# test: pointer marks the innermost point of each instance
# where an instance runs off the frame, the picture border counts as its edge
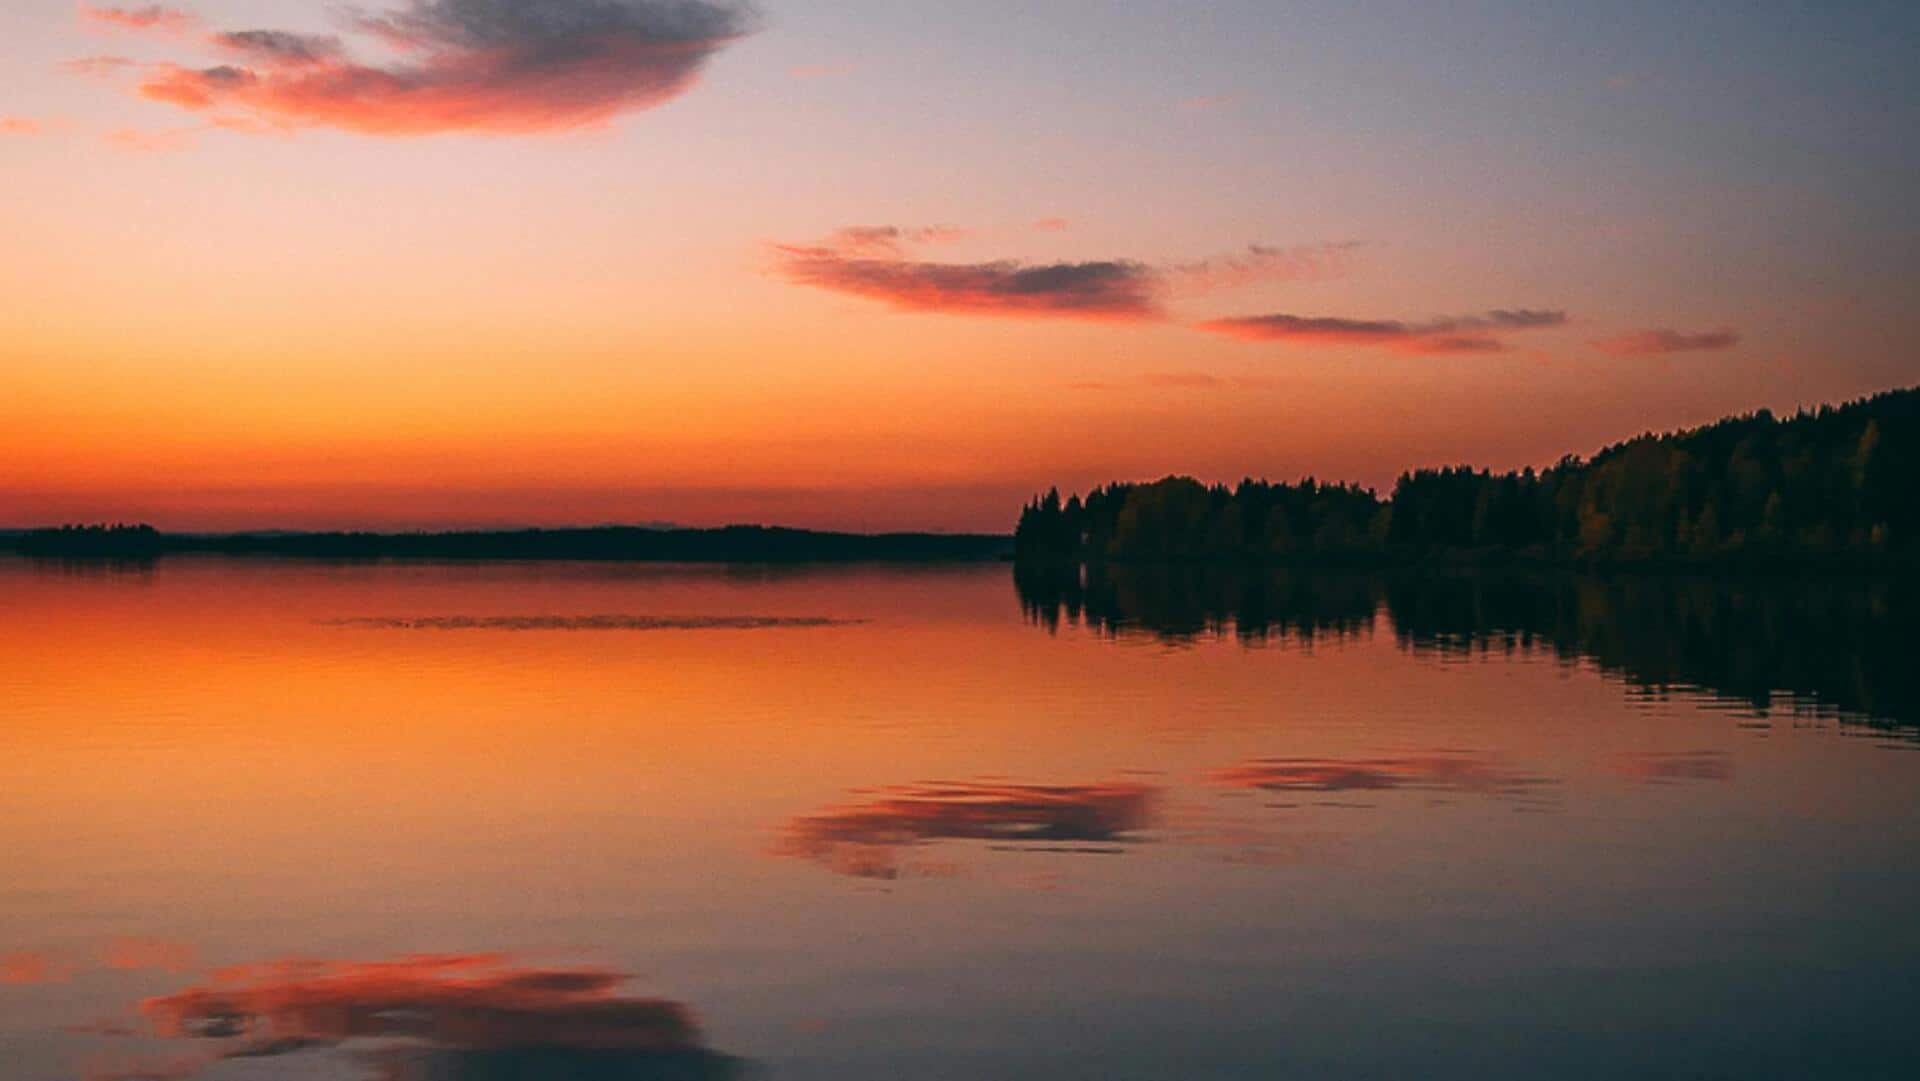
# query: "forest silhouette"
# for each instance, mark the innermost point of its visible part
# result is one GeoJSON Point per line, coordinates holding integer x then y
{"type": "Point", "coordinates": [1832, 485]}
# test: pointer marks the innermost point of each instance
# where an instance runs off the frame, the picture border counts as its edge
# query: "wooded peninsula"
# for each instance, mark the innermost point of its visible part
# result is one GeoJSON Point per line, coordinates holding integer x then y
{"type": "Point", "coordinates": [1835, 486]}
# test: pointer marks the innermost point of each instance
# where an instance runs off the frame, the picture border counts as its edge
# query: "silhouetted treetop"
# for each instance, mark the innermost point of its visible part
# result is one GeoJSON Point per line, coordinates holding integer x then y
{"type": "Point", "coordinates": [1836, 482]}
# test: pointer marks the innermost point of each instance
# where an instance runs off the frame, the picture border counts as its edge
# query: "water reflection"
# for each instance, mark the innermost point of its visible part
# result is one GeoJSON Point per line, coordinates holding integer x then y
{"type": "Point", "coordinates": [1320, 860]}
{"type": "Point", "coordinates": [1437, 772]}
{"type": "Point", "coordinates": [1667, 767]}
{"type": "Point", "coordinates": [122, 954]}
{"type": "Point", "coordinates": [587, 623]}
{"type": "Point", "coordinates": [31, 966]}
{"type": "Point", "coordinates": [1836, 646]}
{"type": "Point", "coordinates": [1184, 602]}
{"type": "Point", "coordinates": [440, 1016]}
{"type": "Point", "coordinates": [868, 839]}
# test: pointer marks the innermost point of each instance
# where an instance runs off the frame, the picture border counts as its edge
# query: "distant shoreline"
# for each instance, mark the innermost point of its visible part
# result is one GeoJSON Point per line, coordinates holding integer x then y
{"type": "Point", "coordinates": [727, 544]}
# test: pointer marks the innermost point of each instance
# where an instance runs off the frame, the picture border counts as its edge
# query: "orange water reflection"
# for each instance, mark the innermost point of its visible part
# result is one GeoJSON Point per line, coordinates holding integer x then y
{"type": "Point", "coordinates": [443, 1016]}
{"type": "Point", "coordinates": [1320, 822]}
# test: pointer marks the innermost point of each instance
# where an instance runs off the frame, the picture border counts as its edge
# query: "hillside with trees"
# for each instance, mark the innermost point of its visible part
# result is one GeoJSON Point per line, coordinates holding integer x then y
{"type": "Point", "coordinates": [1832, 485]}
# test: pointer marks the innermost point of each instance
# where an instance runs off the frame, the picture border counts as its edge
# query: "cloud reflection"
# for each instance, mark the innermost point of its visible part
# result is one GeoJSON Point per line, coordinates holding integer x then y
{"type": "Point", "coordinates": [866, 840]}
{"type": "Point", "coordinates": [1666, 767]}
{"type": "Point", "coordinates": [461, 1015]}
{"type": "Point", "coordinates": [31, 966]}
{"type": "Point", "coordinates": [1440, 771]}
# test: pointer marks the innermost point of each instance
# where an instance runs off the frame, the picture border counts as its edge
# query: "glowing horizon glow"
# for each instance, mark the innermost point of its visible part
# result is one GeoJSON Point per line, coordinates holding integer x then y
{"type": "Point", "coordinates": [268, 268]}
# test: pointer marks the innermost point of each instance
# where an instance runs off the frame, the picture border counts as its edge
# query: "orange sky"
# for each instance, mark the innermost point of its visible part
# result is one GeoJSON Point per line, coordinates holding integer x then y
{"type": "Point", "coordinates": [894, 266]}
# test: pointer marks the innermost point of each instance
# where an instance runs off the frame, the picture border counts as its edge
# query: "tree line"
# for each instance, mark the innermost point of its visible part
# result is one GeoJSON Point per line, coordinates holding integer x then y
{"type": "Point", "coordinates": [1835, 483]}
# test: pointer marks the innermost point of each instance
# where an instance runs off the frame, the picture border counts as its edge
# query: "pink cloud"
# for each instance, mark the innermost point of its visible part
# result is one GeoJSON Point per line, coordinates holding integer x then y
{"type": "Point", "coordinates": [870, 261]}
{"type": "Point", "coordinates": [99, 67]}
{"type": "Point", "coordinates": [1655, 343]}
{"type": "Point", "coordinates": [867, 262]}
{"type": "Point", "coordinates": [1183, 380]}
{"type": "Point", "coordinates": [890, 240]}
{"type": "Point", "coordinates": [153, 18]}
{"type": "Point", "coordinates": [165, 141]}
{"type": "Point", "coordinates": [464, 66]}
{"type": "Point", "coordinates": [1260, 263]}
{"type": "Point", "coordinates": [19, 125]}
{"type": "Point", "coordinates": [1482, 333]}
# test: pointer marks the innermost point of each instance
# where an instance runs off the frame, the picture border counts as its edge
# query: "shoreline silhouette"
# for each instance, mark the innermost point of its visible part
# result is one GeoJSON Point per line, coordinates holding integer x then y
{"type": "Point", "coordinates": [728, 544]}
{"type": "Point", "coordinates": [1824, 489]}
{"type": "Point", "coordinates": [1829, 488]}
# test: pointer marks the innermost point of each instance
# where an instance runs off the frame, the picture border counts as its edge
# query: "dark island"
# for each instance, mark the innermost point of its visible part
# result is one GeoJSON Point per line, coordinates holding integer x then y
{"type": "Point", "coordinates": [1834, 487]}
{"type": "Point", "coordinates": [732, 544]}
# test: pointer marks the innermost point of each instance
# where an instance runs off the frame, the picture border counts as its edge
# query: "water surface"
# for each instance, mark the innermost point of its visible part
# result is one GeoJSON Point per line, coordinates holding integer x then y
{"type": "Point", "coordinates": [279, 819]}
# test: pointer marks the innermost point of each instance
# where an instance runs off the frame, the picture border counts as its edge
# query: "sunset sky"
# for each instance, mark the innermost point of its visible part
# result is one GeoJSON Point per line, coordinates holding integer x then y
{"type": "Point", "coordinates": [898, 264]}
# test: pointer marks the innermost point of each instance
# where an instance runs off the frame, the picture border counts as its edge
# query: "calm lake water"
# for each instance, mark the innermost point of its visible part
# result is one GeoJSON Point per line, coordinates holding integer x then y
{"type": "Point", "coordinates": [291, 820]}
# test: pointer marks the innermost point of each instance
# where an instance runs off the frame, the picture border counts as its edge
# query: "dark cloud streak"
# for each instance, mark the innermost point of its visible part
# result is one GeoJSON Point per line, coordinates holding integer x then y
{"type": "Point", "coordinates": [871, 261]}
{"type": "Point", "coordinates": [1108, 291]}
{"type": "Point", "coordinates": [1483, 333]}
{"type": "Point", "coordinates": [1660, 342]}
{"type": "Point", "coordinates": [489, 66]}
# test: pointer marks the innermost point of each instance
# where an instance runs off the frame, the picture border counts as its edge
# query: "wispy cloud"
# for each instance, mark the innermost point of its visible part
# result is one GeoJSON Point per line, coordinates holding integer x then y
{"type": "Point", "coordinates": [821, 71]}
{"type": "Point", "coordinates": [1204, 381]}
{"type": "Point", "coordinates": [281, 48]}
{"type": "Point", "coordinates": [19, 125]}
{"type": "Point", "coordinates": [872, 262]}
{"type": "Point", "coordinates": [889, 240]}
{"type": "Point", "coordinates": [1654, 343]}
{"type": "Point", "coordinates": [1259, 263]}
{"type": "Point", "coordinates": [152, 18]}
{"type": "Point", "coordinates": [1206, 101]}
{"type": "Point", "coordinates": [868, 261]}
{"type": "Point", "coordinates": [138, 141]}
{"type": "Point", "coordinates": [1052, 225]}
{"type": "Point", "coordinates": [99, 67]}
{"type": "Point", "coordinates": [1483, 333]}
{"type": "Point", "coordinates": [1183, 380]}
{"type": "Point", "coordinates": [487, 66]}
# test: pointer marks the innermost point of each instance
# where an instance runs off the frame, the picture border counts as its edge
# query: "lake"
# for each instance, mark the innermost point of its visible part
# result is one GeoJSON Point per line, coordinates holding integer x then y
{"type": "Point", "coordinates": [484, 821]}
